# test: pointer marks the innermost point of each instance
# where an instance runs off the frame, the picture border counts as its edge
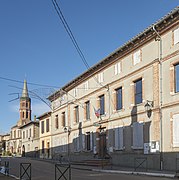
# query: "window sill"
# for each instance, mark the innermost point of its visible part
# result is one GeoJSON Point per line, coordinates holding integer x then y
{"type": "Point", "coordinates": [137, 148]}
{"type": "Point", "coordinates": [118, 110]}
{"type": "Point", "coordinates": [174, 93]}
{"type": "Point", "coordinates": [87, 120]}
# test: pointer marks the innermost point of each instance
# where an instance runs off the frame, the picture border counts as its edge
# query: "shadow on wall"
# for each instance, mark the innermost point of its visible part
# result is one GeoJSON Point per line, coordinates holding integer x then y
{"type": "Point", "coordinates": [125, 145]}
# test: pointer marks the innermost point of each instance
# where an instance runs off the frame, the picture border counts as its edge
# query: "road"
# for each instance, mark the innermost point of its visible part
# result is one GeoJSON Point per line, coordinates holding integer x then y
{"type": "Point", "coordinates": [42, 170]}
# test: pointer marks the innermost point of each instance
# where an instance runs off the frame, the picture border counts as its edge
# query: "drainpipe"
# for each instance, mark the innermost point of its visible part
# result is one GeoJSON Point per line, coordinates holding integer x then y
{"type": "Point", "coordinates": [159, 38]}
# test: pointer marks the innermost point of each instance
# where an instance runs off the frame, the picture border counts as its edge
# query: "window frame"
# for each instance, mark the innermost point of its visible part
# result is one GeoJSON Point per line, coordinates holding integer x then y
{"type": "Point", "coordinates": [176, 78]}
{"type": "Point", "coordinates": [177, 40]}
{"type": "Point", "coordinates": [56, 121]}
{"type": "Point", "coordinates": [102, 104]}
{"type": "Point", "coordinates": [137, 53]}
{"type": "Point", "coordinates": [47, 125]}
{"type": "Point", "coordinates": [119, 99]}
{"type": "Point", "coordinates": [87, 110]}
{"type": "Point", "coordinates": [63, 119]}
{"type": "Point", "coordinates": [76, 114]}
{"type": "Point", "coordinates": [117, 68]}
{"type": "Point", "coordinates": [136, 93]}
{"type": "Point", "coordinates": [42, 127]}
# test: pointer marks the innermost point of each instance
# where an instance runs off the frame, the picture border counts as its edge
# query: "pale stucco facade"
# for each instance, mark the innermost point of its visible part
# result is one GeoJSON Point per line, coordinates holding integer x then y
{"type": "Point", "coordinates": [144, 69]}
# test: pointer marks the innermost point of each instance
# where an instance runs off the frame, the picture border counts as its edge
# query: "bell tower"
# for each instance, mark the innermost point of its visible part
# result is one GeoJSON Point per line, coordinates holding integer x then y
{"type": "Point", "coordinates": [25, 106]}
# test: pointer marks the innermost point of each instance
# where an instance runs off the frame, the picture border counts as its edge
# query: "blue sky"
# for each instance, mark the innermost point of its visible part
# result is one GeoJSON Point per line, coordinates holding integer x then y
{"type": "Point", "coordinates": [35, 46]}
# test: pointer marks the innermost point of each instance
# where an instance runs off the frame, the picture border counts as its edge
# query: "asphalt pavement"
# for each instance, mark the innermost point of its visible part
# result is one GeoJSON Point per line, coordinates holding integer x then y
{"type": "Point", "coordinates": [45, 169]}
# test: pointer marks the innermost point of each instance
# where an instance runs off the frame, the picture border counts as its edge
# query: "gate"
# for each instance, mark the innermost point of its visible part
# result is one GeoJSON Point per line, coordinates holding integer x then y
{"type": "Point", "coordinates": [140, 162]}
{"type": "Point", "coordinates": [62, 171]}
{"type": "Point", "coordinates": [25, 171]}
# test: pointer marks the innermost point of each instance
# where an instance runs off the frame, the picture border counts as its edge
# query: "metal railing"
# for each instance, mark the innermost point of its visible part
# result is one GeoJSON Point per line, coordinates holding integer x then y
{"type": "Point", "coordinates": [140, 163]}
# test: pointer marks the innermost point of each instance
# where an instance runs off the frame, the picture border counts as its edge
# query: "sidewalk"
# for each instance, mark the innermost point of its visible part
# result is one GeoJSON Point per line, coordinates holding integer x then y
{"type": "Point", "coordinates": [123, 170]}
{"type": "Point", "coordinates": [3, 177]}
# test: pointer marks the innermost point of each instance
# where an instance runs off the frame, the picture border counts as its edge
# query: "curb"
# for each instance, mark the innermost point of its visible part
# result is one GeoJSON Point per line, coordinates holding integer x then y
{"type": "Point", "coordinates": [136, 173]}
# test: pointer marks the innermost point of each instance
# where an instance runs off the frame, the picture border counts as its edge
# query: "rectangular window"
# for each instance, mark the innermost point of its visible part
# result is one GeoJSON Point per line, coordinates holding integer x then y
{"type": "Point", "coordinates": [47, 125]}
{"type": "Point", "coordinates": [117, 68]}
{"type": "Point", "coordinates": [100, 77]}
{"type": "Point", "coordinates": [75, 91]}
{"type": "Point", "coordinates": [15, 134]}
{"type": "Point", "coordinates": [138, 91]}
{"type": "Point", "coordinates": [88, 141]}
{"type": "Point", "coordinates": [26, 133]}
{"type": "Point", "coordinates": [27, 115]}
{"type": "Point", "coordinates": [86, 85]}
{"type": "Point", "coordinates": [63, 119]}
{"type": "Point", "coordinates": [177, 78]}
{"type": "Point", "coordinates": [42, 127]}
{"type": "Point", "coordinates": [102, 105]}
{"type": "Point", "coordinates": [118, 138]}
{"type": "Point", "coordinates": [137, 57]}
{"type": "Point", "coordinates": [119, 98]}
{"type": "Point", "coordinates": [76, 144]}
{"type": "Point", "coordinates": [23, 134]}
{"type": "Point", "coordinates": [138, 139]}
{"type": "Point", "coordinates": [87, 110]}
{"type": "Point", "coordinates": [30, 132]}
{"type": "Point", "coordinates": [43, 146]}
{"type": "Point", "coordinates": [56, 121]}
{"type": "Point", "coordinates": [176, 130]}
{"type": "Point", "coordinates": [176, 36]}
{"type": "Point", "coordinates": [76, 114]}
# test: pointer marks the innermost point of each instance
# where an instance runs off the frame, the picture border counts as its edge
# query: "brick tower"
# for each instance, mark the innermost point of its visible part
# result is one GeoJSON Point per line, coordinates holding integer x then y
{"type": "Point", "coordinates": [25, 106]}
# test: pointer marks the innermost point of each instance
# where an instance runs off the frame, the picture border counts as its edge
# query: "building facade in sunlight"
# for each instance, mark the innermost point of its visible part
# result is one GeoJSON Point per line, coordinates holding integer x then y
{"type": "Point", "coordinates": [45, 135]}
{"type": "Point", "coordinates": [126, 107]}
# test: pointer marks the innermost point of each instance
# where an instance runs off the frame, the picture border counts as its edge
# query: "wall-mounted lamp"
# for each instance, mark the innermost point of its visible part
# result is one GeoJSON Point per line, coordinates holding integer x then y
{"type": "Point", "coordinates": [67, 129]}
{"type": "Point", "coordinates": [148, 107]}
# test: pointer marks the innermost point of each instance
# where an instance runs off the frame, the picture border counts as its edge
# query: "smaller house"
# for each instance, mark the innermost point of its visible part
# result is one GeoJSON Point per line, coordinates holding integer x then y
{"type": "Point", "coordinates": [45, 135]}
{"type": "Point", "coordinates": [30, 139]}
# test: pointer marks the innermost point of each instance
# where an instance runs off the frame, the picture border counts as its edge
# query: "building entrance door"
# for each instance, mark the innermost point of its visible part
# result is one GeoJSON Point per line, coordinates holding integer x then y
{"type": "Point", "coordinates": [102, 145]}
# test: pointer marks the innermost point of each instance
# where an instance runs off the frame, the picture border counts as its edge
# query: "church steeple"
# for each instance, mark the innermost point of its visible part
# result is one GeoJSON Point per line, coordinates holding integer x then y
{"type": "Point", "coordinates": [25, 90]}
{"type": "Point", "coordinates": [25, 105]}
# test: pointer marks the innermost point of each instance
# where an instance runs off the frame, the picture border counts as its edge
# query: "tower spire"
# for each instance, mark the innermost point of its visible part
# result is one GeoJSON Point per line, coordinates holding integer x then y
{"type": "Point", "coordinates": [25, 93]}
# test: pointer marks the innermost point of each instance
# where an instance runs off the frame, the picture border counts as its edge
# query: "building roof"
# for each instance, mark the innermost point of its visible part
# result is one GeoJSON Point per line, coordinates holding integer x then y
{"type": "Point", "coordinates": [28, 124]}
{"type": "Point", "coordinates": [161, 26]}
{"type": "Point", "coordinates": [44, 115]}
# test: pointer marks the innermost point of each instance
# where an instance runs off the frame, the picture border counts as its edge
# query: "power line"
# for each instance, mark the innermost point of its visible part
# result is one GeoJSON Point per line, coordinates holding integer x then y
{"type": "Point", "coordinates": [69, 32]}
{"type": "Point", "coordinates": [18, 81]}
{"type": "Point", "coordinates": [72, 37]}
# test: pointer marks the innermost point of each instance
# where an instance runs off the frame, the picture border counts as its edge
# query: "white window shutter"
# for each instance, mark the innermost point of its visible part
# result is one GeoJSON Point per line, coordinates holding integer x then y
{"type": "Point", "coordinates": [120, 137]}
{"type": "Point", "coordinates": [176, 36]}
{"type": "Point", "coordinates": [116, 139]}
{"type": "Point", "coordinates": [115, 69]}
{"type": "Point", "coordinates": [78, 143]}
{"type": "Point", "coordinates": [119, 67]}
{"type": "Point", "coordinates": [91, 140]}
{"type": "Point", "coordinates": [176, 130]}
{"type": "Point", "coordinates": [83, 142]}
{"type": "Point", "coordinates": [136, 57]}
{"type": "Point", "coordinates": [138, 135]}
